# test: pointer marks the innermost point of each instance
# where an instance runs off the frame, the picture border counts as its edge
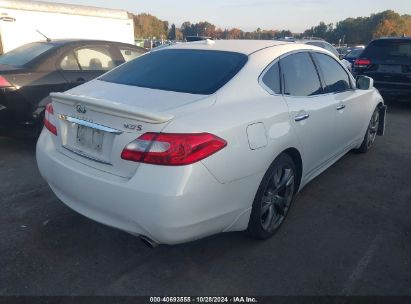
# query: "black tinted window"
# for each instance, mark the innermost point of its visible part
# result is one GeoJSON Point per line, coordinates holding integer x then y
{"type": "Point", "coordinates": [272, 78]}
{"type": "Point", "coordinates": [388, 49]}
{"type": "Point", "coordinates": [335, 77]}
{"type": "Point", "coordinates": [188, 71]}
{"type": "Point", "coordinates": [25, 53]}
{"type": "Point", "coordinates": [300, 75]}
{"type": "Point", "coordinates": [354, 54]}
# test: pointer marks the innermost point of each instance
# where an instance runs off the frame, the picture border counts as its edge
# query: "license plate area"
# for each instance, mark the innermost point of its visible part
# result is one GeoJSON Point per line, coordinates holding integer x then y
{"type": "Point", "coordinates": [394, 69]}
{"type": "Point", "coordinates": [87, 140]}
{"type": "Point", "coordinates": [90, 138]}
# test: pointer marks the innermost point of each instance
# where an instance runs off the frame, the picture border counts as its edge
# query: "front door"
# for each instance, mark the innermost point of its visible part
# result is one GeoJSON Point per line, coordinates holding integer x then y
{"type": "Point", "coordinates": [312, 114]}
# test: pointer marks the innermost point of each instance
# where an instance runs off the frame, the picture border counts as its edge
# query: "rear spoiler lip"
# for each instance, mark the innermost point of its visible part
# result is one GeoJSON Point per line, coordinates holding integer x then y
{"type": "Point", "coordinates": [112, 107]}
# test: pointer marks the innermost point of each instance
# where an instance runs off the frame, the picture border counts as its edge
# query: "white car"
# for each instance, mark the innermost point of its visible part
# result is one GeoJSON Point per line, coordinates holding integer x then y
{"type": "Point", "coordinates": [206, 137]}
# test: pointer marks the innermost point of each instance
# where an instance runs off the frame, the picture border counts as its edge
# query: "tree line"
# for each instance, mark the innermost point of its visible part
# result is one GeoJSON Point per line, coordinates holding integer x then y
{"type": "Point", "coordinates": [359, 30]}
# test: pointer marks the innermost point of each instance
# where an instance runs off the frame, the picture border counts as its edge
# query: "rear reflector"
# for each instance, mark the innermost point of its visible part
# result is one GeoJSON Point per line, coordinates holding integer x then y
{"type": "Point", "coordinates": [362, 63]}
{"type": "Point", "coordinates": [172, 149]}
{"type": "Point", "coordinates": [49, 119]}
{"type": "Point", "coordinates": [4, 83]}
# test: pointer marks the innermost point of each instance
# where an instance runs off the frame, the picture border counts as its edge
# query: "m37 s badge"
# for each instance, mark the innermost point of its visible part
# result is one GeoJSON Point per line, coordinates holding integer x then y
{"type": "Point", "coordinates": [133, 127]}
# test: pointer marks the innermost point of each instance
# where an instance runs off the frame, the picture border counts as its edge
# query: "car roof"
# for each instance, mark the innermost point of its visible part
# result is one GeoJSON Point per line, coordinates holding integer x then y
{"type": "Point", "coordinates": [310, 40]}
{"type": "Point", "coordinates": [246, 47]}
{"type": "Point", "coordinates": [62, 42]}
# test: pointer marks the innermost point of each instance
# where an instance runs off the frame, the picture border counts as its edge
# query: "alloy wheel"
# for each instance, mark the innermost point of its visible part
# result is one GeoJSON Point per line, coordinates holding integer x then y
{"type": "Point", "coordinates": [277, 198]}
{"type": "Point", "coordinates": [373, 128]}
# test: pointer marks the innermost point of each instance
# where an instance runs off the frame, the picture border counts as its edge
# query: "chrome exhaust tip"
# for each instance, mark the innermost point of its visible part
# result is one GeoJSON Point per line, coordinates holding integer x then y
{"type": "Point", "coordinates": [148, 242]}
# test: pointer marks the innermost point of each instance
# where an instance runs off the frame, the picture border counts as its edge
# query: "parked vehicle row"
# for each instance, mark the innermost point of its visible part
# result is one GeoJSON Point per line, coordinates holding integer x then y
{"type": "Point", "coordinates": [353, 54]}
{"type": "Point", "coordinates": [388, 62]}
{"type": "Point", "coordinates": [221, 140]}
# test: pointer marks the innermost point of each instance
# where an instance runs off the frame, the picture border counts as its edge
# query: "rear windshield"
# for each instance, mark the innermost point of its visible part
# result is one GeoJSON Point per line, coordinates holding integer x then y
{"type": "Point", "coordinates": [188, 71]}
{"type": "Point", "coordinates": [25, 53]}
{"type": "Point", "coordinates": [354, 53]}
{"type": "Point", "coordinates": [388, 49]}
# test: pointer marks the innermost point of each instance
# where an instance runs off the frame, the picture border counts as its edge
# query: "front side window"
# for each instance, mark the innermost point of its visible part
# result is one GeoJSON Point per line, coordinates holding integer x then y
{"type": "Point", "coordinates": [180, 70]}
{"type": "Point", "coordinates": [300, 75]}
{"type": "Point", "coordinates": [335, 77]}
{"type": "Point", "coordinates": [271, 78]}
{"type": "Point", "coordinates": [94, 59]}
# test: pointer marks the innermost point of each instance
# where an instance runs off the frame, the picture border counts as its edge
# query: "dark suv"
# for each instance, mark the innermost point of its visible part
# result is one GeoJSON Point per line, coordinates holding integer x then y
{"type": "Point", "coordinates": [388, 62]}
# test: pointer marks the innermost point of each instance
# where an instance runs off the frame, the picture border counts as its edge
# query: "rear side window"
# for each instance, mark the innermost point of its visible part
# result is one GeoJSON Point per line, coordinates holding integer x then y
{"type": "Point", "coordinates": [187, 71]}
{"type": "Point", "coordinates": [271, 78]}
{"type": "Point", "coordinates": [300, 75]}
{"type": "Point", "coordinates": [388, 49]}
{"type": "Point", "coordinates": [335, 77]}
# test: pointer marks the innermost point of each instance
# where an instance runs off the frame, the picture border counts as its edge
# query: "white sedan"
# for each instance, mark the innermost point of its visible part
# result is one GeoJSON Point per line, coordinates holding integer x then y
{"type": "Point", "coordinates": [206, 137]}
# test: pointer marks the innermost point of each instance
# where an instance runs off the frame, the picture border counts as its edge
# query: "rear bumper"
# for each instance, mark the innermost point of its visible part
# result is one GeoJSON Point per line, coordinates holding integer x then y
{"type": "Point", "coordinates": [167, 204]}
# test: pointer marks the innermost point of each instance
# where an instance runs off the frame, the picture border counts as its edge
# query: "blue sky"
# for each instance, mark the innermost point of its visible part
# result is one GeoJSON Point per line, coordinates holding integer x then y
{"type": "Point", "coordinates": [296, 15]}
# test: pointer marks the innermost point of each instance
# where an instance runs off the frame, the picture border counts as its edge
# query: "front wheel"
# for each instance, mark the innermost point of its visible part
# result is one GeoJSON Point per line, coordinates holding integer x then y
{"type": "Point", "coordinates": [371, 134]}
{"type": "Point", "coordinates": [273, 199]}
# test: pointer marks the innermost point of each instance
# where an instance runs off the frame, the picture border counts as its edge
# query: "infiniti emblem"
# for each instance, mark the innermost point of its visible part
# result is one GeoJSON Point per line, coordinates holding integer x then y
{"type": "Point", "coordinates": [81, 108]}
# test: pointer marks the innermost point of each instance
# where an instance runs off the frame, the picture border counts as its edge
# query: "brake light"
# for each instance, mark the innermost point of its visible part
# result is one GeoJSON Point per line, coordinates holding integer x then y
{"type": "Point", "coordinates": [362, 63]}
{"type": "Point", "coordinates": [49, 122]}
{"type": "Point", "coordinates": [172, 149]}
{"type": "Point", "coordinates": [4, 83]}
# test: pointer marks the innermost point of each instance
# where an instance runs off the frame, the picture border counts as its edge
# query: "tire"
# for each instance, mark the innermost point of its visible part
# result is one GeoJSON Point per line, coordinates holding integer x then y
{"type": "Point", "coordinates": [371, 134]}
{"type": "Point", "coordinates": [273, 198]}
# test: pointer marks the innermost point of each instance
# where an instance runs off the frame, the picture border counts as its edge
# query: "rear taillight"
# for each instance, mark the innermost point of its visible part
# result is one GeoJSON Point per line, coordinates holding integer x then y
{"type": "Point", "coordinates": [362, 63]}
{"type": "Point", "coordinates": [172, 149]}
{"type": "Point", "coordinates": [4, 83]}
{"type": "Point", "coordinates": [49, 120]}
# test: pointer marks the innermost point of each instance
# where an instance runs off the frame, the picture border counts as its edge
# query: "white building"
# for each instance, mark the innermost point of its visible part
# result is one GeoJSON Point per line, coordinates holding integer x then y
{"type": "Point", "coordinates": [21, 20]}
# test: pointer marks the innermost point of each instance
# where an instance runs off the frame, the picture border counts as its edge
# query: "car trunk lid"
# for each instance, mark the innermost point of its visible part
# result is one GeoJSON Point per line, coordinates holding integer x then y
{"type": "Point", "coordinates": [94, 128]}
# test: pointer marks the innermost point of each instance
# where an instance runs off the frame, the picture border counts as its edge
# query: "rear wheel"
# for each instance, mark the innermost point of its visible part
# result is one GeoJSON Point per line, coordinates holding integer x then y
{"type": "Point", "coordinates": [273, 199]}
{"type": "Point", "coordinates": [371, 134]}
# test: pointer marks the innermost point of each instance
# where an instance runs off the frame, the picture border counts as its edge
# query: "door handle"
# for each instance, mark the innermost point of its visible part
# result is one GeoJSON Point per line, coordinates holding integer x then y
{"type": "Point", "coordinates": [340, 107]}
{"type": "Point", "coordinates": [301, 117]}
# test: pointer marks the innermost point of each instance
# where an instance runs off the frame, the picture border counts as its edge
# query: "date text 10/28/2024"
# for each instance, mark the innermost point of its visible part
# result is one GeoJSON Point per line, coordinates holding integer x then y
{"type": "Point", "coordinates": [203, 300]}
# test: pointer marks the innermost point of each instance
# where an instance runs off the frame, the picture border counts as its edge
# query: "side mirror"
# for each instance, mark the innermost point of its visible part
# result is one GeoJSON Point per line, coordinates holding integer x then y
{"type": "Point", "coordinates": [341, 56]}
{"type": "Point", "coordinates": [364, 83]}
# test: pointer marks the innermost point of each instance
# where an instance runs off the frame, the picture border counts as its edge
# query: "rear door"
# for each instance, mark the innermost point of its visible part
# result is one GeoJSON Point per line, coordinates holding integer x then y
{"type": "Point", "coordinates": [86, 63]}
{"type": "Point", "coordinates": [351, 103]}
{"type": "Point", "coordinates": [312, 114]}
